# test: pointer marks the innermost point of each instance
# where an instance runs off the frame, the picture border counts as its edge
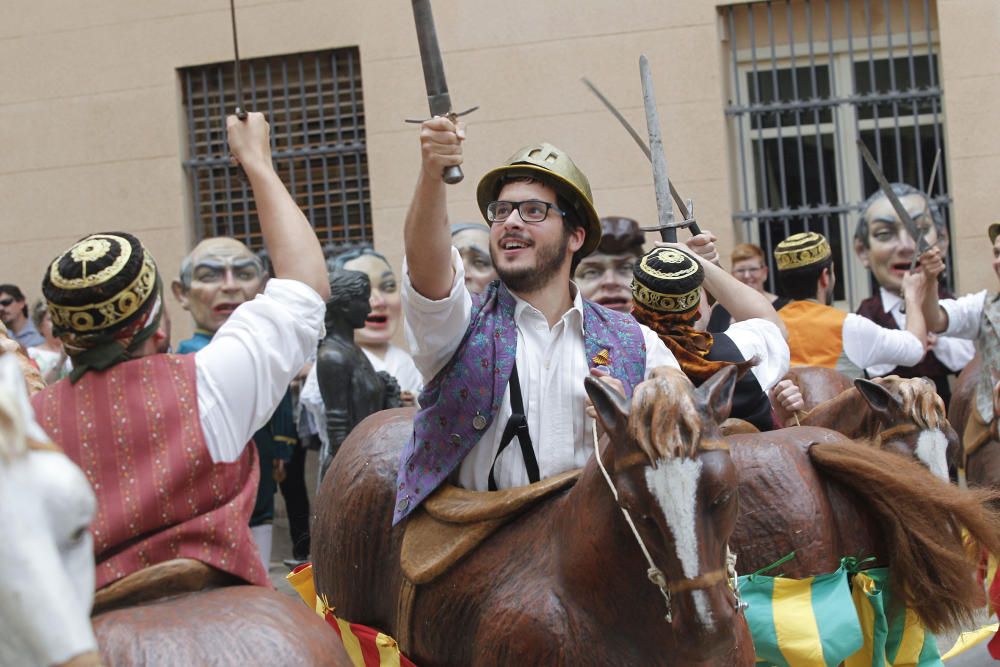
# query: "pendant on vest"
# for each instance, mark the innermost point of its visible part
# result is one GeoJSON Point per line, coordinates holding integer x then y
{"type": "Point", "coordinates": [479, 422]}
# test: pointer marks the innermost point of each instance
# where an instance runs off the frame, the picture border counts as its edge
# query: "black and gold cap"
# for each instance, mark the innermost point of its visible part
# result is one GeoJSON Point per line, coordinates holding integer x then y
{"type": "Point", "coordinates": [668, 280]}
{"type": "Point", "coordinates": [102, 284]}
{"type": "Point", "coordinates": [801, 250]}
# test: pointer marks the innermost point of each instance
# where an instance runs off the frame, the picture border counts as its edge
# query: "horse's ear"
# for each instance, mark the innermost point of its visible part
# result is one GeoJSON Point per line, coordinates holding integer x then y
{"type": "Point", "coordinates": [877, 396]}
{"type": "Point", "coordinates": [612, 408]}
{"type": "Point", "coordinates": [717, 392]}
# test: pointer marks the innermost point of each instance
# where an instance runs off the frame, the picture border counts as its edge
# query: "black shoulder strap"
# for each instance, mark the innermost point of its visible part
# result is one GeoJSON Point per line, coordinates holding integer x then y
{"type": "Point", "coordinates": [517, 426]}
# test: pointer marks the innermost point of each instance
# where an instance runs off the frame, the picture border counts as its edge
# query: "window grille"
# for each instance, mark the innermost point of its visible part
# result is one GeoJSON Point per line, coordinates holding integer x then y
{"type": "Point", "coordinates": [314, 105]}
{"type": "Point", "coordinates": [808, 77]}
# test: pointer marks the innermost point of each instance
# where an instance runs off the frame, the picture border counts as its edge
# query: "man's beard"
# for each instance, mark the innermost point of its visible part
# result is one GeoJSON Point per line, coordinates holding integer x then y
{"type": "Point", "coordinates": [550, 259]}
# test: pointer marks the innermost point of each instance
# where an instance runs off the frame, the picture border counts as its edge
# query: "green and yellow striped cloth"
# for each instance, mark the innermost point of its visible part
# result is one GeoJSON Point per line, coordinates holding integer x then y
{"type": "Point", "coordinates": [842, 617]}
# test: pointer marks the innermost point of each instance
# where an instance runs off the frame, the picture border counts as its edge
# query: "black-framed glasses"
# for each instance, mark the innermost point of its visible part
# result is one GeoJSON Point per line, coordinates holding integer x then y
{"type": "Point", "coordinates": [531, 210]}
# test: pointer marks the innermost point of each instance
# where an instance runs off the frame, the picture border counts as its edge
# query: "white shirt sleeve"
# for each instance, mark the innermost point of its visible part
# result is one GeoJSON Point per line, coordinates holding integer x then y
{"type": "Point", "coordinates": [435, 328]}
{"type": "Point", "coordinates": [868, 344]}
{"type": "Point", "coordinates": [965, 315]}
{"type": "Point", "coordinates": [762, 339]}
{"type": "Point", "coordinates": [657, 354]}
{"type": "Point", "coordinates": [245, 370]}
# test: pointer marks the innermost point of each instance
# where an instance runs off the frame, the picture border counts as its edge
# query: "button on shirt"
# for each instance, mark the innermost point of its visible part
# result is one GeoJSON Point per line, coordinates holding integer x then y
{"type": "Point", "coordinates": [954, 353]}
{"type": "Point", "coordinates": [552, 365]}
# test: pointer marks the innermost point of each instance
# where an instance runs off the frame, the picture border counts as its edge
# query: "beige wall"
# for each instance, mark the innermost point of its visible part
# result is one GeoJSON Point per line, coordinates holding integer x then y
{"type": "Point", "coordinates": [93, 135]}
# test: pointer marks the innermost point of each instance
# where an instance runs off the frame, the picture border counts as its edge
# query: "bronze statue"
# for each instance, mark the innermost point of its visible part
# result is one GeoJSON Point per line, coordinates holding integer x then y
{"type": "Point", "coordinates": [350, 387]}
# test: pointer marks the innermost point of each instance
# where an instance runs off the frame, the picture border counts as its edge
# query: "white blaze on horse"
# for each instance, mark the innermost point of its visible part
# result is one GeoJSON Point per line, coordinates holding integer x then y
{"type": "Point", "coordinates": [46, 554]}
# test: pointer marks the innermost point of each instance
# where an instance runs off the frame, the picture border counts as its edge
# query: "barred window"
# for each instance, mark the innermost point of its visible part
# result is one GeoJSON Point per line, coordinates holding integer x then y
{"type": "Point", "coordinates": [314, 104]}
{"type": "Point", "coordinates": [807, 78]}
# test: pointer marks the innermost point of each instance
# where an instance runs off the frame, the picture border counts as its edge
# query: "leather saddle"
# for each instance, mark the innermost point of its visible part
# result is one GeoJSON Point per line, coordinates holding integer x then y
{"type": "Point", "coordinates": [172, 577]}
{"type": "Point", "coordinates": [453, 521]}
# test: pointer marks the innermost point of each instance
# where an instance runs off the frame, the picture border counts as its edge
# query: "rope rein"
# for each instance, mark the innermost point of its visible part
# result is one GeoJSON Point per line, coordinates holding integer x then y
{"type": "Point", "coordinates": [654, 573]}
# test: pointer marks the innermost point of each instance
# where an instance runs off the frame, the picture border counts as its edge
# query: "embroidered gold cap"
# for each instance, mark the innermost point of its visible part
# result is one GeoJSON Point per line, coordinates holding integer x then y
{"type": "Point", "coordinates": [101, 284]}
{"type": "Point", "coordinates": [801, 250]}
{"type": "Point", "coordinates": [668, 280]}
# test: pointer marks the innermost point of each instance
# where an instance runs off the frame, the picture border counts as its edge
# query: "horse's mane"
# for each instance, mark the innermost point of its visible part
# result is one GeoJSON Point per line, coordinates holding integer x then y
{"type": "Point", "coordinates": [919, 399]}
{"type": "Point", "coordinates": [920, 520]}
{"type": "Point", "coordinates": [664, 421]}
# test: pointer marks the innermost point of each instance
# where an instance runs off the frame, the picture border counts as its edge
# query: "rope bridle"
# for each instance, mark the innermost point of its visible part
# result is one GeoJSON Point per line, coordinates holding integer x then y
{"type": "Point", "coordinates": [654, 573]}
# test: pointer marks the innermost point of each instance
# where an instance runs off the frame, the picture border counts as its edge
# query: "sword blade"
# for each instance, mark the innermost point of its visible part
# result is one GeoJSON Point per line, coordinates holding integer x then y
{"type": "Point", "coordinates": [241, 111]}
{"type": "Point", "coordinates": [934, 171]}
{"type": "Point", "coordinates": [904, 215]}
{"type": "Point", "coordinates": [681, 205]}
{"type": "Point", "coordinates": [438, 99]}
{"type": "Point", "coordinates": [430, 58]}
{"type": "Point", "coordinates": [664, 208]}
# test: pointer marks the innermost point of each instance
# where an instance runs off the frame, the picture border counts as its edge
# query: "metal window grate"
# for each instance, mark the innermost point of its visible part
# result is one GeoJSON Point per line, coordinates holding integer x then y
{"type": "Point", "coordinates": [314, 104]}
{"type": "Point", "coordinates": [807, 77]}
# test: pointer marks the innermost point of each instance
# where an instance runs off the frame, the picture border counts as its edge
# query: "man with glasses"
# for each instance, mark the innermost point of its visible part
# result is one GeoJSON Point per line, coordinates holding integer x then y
{"type": "Point", "coordinates": [605, 276]}
{"type": "Point", "coordinates": [14, 315]}
{"type": "Point", "coordinates": [886, 248]}
{"type": "Point", "coordinates": [508, 363]}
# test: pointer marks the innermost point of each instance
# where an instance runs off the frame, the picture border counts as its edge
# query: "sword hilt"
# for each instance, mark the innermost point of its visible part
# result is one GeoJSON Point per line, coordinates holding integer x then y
{"type": "Point", "coordinates": [452, 175]}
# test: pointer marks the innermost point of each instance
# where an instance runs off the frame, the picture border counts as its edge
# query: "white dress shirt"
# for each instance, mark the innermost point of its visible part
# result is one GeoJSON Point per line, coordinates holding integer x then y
{"type": "Point", "coordinates": [762, 339]}
{"type": "Point", "coordinates": [869, 344]}
{"type": "Point", "coordinates": [398, 364]}
{"type": "Point", "coordinates": [954, 353]}
{"type": "Point", "coordinates": [245, 369]}
{"type": "Point", "coordinates": [551, 363]}
{"type": "Point", "coordinates": [965, 315]}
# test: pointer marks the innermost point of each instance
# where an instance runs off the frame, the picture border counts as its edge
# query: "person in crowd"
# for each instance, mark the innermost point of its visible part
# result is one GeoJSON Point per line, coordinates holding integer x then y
{"type": "Point", "coordinates": [821, 335]}
{"type": "Point", "coordinates": [174, 477]}
{"type": "Point", "coordinates": [883, 244]}
{"type": "Point", "coordinates": [749, 265]}
{"type": "Point", "coordinates": [53, 362]}
{"type": "Point", "coordinates": [525, 344]}
{"type": "Point", "coordinates": [14, 315]}
{"type": "Point", "coordinates": [473, 242]}
{"type": "Point", "coordinates": [605, 275]}
{"type": "Point", "coordinates": [667, 291]}
{"type": "Point", "coordinates": [375, 338]}
{"type": "Point", "coordinates": [216, 277]}
{"type": "Point", "coordinates": [973, 317]}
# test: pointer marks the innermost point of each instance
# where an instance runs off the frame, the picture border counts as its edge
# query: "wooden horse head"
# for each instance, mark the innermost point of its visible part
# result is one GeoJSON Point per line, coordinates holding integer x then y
{"type": "Point", "coordinates": [911, 420]}
{"type": "Point", "coordinates": [675, 479]}
{"type": "Point", "coordinates": [46, 554]}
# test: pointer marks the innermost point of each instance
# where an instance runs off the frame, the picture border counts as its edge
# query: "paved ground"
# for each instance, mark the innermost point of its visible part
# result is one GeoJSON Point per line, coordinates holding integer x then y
{"type": "Point", "coordinates": [281, 547]}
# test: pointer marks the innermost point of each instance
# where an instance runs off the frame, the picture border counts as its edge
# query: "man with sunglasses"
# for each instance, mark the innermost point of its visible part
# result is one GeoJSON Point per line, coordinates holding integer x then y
{"type": "Point", "coordinates": [14, 315]}
{"type": "Point", "coordinates": [510, 363]}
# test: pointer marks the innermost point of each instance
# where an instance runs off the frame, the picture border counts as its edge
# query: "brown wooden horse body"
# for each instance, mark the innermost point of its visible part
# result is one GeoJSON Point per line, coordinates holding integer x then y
{"type": "Point", "coordinates": [564, 584]}
{"type": "Point", "coordinates": [814, 492]}
{"type": "Point", "coordinates": [982, 466]}
{"type": "Point", "coordinates": [233, 625]}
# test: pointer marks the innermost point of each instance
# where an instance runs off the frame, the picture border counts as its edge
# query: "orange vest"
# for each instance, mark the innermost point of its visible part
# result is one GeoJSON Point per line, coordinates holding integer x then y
{"type": "Point", "coordinates": [815, 333]}
{"type": "Point", "coordinates": [134, 429]}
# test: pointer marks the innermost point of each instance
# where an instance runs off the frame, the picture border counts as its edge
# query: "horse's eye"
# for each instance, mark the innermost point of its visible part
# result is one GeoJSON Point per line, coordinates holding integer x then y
{"type": "Point", "coordinates": [78, 535]}
{"type": "Point", "coordinates": [722, 499]}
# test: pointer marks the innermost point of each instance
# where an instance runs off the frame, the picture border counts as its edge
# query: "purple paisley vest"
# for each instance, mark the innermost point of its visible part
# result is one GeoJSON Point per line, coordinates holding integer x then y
{"type": "Point", "coordinates": [473, 383]}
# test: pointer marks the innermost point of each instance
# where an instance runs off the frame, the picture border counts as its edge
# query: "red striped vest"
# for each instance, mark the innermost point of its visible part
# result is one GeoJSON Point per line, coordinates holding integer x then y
{"type": "Point", "coordinates": [134, 429]}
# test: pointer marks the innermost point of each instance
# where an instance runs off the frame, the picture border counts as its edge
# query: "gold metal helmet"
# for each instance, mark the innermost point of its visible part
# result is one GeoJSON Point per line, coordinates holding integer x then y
{"type": "Point", "coordinates": [553, 166]}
